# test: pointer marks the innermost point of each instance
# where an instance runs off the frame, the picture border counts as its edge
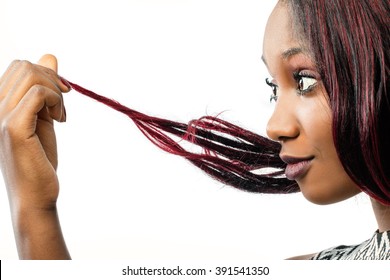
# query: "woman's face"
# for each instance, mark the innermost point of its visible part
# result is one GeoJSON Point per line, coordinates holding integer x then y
{"type": "Point", "coordinates": [302, 119]}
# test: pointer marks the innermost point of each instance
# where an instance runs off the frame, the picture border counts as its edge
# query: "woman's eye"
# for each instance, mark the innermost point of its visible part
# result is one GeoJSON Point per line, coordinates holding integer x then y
{"type": "Point", "coordinates": [274, 87]}
{"type": "Point", "coordinates": [305, 83]}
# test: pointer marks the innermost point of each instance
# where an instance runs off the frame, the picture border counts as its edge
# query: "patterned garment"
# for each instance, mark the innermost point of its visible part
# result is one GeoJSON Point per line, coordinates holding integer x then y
{"type": "Point", "coordinates": [376, 248]}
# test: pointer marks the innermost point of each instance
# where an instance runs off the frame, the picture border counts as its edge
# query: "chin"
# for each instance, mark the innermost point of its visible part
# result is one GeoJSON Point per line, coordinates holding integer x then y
{"type": "Point", "coordinates": [325, 195]}
{"type": "Point", "coordinates": [321, 200]}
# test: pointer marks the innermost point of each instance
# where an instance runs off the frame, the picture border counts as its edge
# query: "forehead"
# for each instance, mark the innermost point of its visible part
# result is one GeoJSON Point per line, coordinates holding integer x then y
{"type": "Point", "coordinates": [279, 33]}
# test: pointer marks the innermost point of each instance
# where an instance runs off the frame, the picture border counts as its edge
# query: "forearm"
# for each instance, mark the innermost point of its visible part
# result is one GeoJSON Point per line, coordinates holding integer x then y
{"type": "Point", "coordinates": [38, 234]}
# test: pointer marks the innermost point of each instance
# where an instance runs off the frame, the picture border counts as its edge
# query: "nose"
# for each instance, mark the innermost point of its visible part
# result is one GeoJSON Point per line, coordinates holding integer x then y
{"type": "Point", "coordinates": [283, 124]}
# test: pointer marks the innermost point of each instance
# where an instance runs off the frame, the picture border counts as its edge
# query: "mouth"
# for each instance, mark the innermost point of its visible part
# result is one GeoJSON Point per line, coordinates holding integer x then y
{"type": "Point", "coordinates": [296, 167]}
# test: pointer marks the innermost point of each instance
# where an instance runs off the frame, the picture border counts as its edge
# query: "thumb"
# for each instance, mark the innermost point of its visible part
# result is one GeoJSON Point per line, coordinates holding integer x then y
{"type": "Point", "coordinates": [49, 61]}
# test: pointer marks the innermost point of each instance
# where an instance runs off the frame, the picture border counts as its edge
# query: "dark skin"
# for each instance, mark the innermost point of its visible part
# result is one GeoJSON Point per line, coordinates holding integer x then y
{"type": "Point", "coordinates": [30, 102]}
{"type": "Point", "coordinates": [301, 123]}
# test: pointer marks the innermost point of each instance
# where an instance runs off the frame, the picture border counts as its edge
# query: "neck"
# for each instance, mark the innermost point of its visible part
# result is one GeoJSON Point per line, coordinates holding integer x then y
{"type": "Point", "coordinates": [382, 215]}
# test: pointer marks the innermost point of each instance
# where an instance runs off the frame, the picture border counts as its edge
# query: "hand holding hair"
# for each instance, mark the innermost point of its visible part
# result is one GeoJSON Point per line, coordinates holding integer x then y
{"type": "Point", "coordinates": [30, 99]}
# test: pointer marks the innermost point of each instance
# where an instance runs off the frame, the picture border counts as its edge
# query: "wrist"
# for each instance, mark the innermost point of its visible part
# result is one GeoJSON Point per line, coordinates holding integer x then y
{"type": "Point", "coordinates": [38, 233]}
{"type": "Point", "coordinates": [28, 217]}
{"type": "Point", "coordinates": [30, 222]}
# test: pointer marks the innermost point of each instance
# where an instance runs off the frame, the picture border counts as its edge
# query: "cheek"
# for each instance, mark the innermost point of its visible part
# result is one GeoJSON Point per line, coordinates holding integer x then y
{"type": "Point", "coordinates": [327, 182]}
{"type": "Point", "coordinates": [315, 119]}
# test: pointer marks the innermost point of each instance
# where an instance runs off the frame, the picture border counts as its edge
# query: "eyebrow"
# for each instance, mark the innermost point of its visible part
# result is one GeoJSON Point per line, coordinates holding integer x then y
{"type": "Point", "coordinates": [286, 54]}
{"type": "Point", "coordinates": [291, 52]}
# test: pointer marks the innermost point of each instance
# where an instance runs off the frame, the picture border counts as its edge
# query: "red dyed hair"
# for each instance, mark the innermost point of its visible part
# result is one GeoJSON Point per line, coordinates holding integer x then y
{"type": "Point", "coordinates": [231, 154]}
{"type": "Point", "coordinates": [350, 43]}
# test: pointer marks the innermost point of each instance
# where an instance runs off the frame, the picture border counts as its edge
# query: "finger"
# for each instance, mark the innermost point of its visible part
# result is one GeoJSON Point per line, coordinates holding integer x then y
{"type": "Point", "coordinates": [37, 100]}
{"type": "Point", "coordinates": [9, 70]}
{"type": "Point", "coordinates": [8, 78]}
{"type": "Point", "coordinates": [25, 76]}
{"type": "Point", "coordinates": [39, 103]}
{"type": "Point", "coordinates": [50, 61]}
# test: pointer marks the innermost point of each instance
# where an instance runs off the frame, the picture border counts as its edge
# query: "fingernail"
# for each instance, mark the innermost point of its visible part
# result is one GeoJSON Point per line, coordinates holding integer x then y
{"type": "Point", "coordinates": [65, 82]}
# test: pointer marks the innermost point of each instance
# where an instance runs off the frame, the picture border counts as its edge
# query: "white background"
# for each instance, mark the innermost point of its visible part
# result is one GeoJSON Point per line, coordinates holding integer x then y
{"type": "Point", "coordinates": [123, 198]}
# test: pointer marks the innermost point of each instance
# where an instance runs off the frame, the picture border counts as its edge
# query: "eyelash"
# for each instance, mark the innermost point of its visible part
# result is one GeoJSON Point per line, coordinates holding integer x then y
{"type": "Point", "coordinates": [298, 77]}
{"type": "Point", "coordinates": [274, 88]}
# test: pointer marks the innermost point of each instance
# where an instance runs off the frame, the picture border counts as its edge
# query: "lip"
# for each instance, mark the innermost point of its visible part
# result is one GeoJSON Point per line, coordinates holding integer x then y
{"type": "Point", "coordinates": [296, 167]}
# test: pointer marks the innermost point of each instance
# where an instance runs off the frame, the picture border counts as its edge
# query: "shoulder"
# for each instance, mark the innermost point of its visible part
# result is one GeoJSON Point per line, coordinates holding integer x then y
{"type": "Point", "coordinates": [376, 248]}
